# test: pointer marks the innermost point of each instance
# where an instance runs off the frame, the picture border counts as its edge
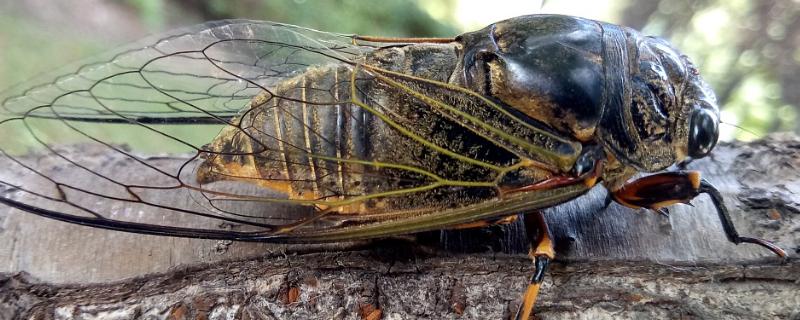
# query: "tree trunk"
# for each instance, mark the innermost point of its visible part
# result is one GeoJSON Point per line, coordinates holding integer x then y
{"type": "Point", "coordinates": [612, 263]}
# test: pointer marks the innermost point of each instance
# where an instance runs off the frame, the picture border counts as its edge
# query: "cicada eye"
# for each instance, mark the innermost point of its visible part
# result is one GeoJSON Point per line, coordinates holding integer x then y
{"type": "Point", "coordinates": [703, 132]}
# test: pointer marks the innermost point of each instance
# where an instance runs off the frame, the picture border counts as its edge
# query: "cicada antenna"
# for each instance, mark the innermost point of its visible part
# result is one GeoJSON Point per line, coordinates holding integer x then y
{"type": "Point", "coordinates": [742, 128]}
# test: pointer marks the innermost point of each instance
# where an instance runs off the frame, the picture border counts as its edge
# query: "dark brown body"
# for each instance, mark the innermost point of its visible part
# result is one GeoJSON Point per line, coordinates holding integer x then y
{"type": "Point", "coordinates": [575, 92]}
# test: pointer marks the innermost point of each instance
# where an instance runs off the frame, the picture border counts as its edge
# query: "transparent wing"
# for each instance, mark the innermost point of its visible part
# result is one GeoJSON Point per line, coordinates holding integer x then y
{"type": "Point", "coordinates": [252, 130]}
{"type": "Point", "coordinates": [166, 96]}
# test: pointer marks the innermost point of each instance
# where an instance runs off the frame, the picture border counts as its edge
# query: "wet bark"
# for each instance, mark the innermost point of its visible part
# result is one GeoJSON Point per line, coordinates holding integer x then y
{"type": "Point", "coordinates": [613, 263]}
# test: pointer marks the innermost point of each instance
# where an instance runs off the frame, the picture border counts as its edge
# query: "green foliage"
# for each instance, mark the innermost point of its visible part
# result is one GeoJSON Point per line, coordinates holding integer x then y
{"type": "Point", "coordinates": [151, 12]}
{"type": "Point", "coordinates": [27, 50]}
{"type": "Point", "coordinates": [388, 17]}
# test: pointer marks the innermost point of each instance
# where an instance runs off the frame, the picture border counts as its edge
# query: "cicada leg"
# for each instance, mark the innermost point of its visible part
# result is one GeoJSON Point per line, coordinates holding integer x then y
{"type": "Point", "coordinates": [660, 190]}
{"type": "Point", "coordinates": [541, 253]}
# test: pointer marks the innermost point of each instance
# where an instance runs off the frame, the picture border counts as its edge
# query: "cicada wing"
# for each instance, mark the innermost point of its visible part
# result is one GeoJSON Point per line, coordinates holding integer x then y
{"type": "Point", "coordinates": [118, 138]}
{"type": "Point", "coordinates": [220, 65]}
{"type": "Point", "coordinates": [251, 130]}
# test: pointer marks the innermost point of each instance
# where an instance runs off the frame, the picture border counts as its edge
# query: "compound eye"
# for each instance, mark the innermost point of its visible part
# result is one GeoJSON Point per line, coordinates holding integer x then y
{"type": "Point", "coordinates": [703, 132]}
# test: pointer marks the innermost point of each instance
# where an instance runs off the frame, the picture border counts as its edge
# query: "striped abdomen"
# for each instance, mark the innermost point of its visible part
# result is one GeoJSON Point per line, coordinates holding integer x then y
{"type": "Point", "coordinates": [311, 138]}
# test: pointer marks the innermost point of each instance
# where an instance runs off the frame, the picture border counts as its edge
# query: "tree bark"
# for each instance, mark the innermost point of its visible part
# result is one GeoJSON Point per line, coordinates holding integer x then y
{"type": "Point", "coordinates": [612, 263]}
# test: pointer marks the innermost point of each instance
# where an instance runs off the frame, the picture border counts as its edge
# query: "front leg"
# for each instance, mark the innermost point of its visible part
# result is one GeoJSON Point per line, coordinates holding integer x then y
{"type": "Point", "coordinates": [660, 190]}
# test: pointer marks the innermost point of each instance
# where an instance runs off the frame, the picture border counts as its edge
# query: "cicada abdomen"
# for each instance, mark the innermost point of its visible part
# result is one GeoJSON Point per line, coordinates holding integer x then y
{"type": "Point", "coordinates": [384, 134]}
{"type": "Point", "coordinates": [309, 138]}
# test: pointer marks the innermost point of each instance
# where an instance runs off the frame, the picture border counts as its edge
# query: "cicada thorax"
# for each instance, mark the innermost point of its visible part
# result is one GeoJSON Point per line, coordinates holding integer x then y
{"type": "Point", "coordinates": [383, 134]}
{"type": "Point", "coordinates": [550, 68]}
{"type": "Point", "coordinates": [594, 82]}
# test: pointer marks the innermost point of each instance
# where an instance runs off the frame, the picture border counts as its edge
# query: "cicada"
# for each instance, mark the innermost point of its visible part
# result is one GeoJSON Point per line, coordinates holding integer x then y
{"type": "Point", "coordinates": [293, 135]}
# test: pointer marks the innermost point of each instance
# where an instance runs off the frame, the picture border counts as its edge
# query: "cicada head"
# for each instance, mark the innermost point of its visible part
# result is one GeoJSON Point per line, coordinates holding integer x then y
{"type": "Point", "coordinates": [672, 105]}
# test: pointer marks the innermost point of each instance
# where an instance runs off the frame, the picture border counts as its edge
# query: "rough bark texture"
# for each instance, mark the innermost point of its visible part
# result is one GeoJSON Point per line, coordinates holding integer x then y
{"type": "Point", "coordinates": [613, 263]}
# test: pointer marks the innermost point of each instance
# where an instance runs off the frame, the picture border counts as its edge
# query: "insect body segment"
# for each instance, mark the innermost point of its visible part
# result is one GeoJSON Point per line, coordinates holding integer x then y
{"type": "Point", "coordinates": [323, 136]}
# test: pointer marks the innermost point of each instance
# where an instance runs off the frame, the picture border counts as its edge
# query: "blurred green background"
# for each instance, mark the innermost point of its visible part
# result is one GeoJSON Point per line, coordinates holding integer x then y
{"type": "Point", "coordinates": [749, 50]}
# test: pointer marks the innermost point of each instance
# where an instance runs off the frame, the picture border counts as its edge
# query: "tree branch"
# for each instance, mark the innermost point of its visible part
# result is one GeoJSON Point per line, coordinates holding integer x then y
{"type": "Point", "coordinates": [612, 263]}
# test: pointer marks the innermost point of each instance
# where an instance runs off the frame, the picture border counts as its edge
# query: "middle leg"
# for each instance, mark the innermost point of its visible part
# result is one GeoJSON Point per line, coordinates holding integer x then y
{"type": "Point", "coordinates": [542, 253]}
